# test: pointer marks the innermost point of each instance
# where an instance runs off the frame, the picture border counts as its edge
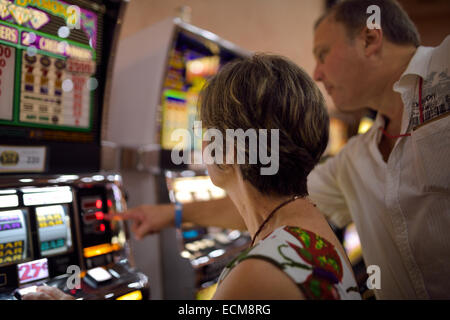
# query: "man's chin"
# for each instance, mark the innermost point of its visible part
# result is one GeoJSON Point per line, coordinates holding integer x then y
{"type": "Point", "coordinates": [346, 107]}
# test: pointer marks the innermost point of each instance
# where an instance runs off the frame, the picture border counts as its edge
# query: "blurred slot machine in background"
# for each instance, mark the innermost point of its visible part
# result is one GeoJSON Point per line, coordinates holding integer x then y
{"type": "Point", "coordinates": [201, 252]}
{"type": "Point", "coordinates": [195, 261]}
{"type": "Point", "coordinates": [160, 81]}
{"type": "Point", "coordinates": [55, 58]}
{"type": "Point", "coordinates": [51, 223]}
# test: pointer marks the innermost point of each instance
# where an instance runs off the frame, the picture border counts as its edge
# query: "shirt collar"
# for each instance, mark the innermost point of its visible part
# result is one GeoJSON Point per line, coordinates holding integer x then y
{"type": "Point", "coordinates": [417, 66]}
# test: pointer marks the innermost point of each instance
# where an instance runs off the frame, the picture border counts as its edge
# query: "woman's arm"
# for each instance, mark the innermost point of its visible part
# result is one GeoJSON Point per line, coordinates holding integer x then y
{"type": "Point", "coordinates": [257, 279]}
{"type": "Point", "coordinates": [218, 213]}
{"type": "Point", "coordinates": [148, 219]}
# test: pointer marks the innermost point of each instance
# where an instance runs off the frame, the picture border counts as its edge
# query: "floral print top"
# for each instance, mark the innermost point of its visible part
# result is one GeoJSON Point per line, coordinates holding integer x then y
{"type": "Point", "coordinates": [309, 260]}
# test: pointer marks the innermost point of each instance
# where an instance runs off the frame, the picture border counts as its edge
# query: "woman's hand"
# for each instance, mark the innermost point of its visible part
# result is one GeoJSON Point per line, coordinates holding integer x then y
{"type": "Point", "coordinates": [148, 219]}
{"type": "Point", "coordinates": [47, 293]}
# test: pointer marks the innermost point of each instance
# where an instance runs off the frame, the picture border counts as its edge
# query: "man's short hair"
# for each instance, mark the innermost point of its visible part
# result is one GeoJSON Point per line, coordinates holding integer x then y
{"type": "Point", "coordinates": [396, 25]}
{"type": "Point", "coordinates": [270, 92]}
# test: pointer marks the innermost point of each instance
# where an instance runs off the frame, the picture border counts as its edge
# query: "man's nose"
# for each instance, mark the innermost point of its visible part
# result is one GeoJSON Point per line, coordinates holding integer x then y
{"type": "Point", "coordinates": [318, 74]}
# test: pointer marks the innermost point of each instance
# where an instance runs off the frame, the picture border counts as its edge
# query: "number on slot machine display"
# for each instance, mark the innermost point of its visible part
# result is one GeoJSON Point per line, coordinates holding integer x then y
{"type": "Point", "coordinates": [33, 270]}
{"type": "Point", "coordinates": [37, 268]}
{"type": "Point", "coordinates": [23, 273]}
{"type": "Point", "coordinates": [6, 85]}
{"type": "Point", "coordinates": [5, 51]}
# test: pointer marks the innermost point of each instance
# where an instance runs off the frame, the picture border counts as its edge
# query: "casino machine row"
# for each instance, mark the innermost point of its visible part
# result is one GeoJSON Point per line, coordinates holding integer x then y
{"type": "Point", "coordinates": [55, 62]}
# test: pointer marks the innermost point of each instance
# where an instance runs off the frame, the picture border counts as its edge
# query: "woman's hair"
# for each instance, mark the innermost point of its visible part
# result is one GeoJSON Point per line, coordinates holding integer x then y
{"type": "Point", "coordinates": [270, 92]}
{"type": "Point", "coordinates": [396, 25]}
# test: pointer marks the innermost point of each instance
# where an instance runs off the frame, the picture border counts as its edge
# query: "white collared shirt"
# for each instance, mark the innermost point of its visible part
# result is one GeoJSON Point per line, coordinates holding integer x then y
{"type": "Point", "coordinates": [401, 208]}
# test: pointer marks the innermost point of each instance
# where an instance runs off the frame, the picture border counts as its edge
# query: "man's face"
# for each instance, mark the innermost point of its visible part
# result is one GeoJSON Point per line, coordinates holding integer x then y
{"type": "Point", "coordinates": [339, 65]}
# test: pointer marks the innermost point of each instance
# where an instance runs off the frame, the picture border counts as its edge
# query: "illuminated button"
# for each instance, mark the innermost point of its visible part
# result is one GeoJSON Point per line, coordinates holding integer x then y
{"type": "Point", "coordinates": [209, 242]}
{"type": "Point", "coordinates": [200, 260]}
{"type": "Point", "coordinates": [186, 254]}
{"type": "Point", "coordinates": [222, 238]}
{"type": "Point", "coordinates": [191, 246]}
{"type": "Point", "coordinates": [99, 216]}
{"type": "Point", "coordinates": [135, 295]}
{"type": "Point", "coordinates": [199, 245]}
{"type": "Point", "coordinates": [100, 249]}
{"type": "Point", "coordinates": [109, 295]}
{"type": "Point", "coordinates": [216, 253]}
{"type": "Point", "coordinates": [203, 244]}
{"type": "Point", "coordinates": [98, 204]}
{"type": "Point", "coordinates": [114, 273]}
{"type": "Point", "coordinates": [99, 274]}
{"type": "Point", "coordinates": [233, 235]}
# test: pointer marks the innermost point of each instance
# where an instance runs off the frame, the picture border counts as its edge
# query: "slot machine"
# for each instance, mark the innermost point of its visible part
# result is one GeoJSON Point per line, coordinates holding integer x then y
{"type": "Point", "coordinates": [195, 255]}
{"type": "Point", "coordinates": [55, 61]}
{"type": "Point", "coordinates": [54, 224]}
{"type": "Point", "coordinates": [161, 80]}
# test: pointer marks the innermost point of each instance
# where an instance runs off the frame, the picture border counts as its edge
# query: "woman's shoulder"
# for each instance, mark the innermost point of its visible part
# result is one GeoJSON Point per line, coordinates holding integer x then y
{"type": "Point", "coordinates": [290, 263]}
{"type": "Point", "coordinates": [295, 236]}
{"type": "Point", "coordinates": [309, 249]}
{"type": "Point", "coordinates": [310, 260]}
{"type": "Point", "coordinates": [257, 279]}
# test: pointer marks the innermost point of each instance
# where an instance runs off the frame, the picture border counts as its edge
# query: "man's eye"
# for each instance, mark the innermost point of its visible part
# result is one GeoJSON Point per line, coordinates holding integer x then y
{"type": "Point", "coordinates": [321, 57]}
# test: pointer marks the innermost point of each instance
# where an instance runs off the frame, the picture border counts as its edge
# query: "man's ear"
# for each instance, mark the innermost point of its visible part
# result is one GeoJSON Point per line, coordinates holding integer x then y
{"type": "Point", "coordinates": [373, 40]}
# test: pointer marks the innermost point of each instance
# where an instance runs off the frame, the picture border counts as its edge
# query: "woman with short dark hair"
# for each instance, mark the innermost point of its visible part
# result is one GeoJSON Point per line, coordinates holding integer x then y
{"type": "Point", "coordinates": [294, 253]}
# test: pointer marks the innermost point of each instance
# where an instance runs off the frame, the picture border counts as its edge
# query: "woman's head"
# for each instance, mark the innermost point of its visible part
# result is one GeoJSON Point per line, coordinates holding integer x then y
{"type": "Point", "coordinates": [269, 92]}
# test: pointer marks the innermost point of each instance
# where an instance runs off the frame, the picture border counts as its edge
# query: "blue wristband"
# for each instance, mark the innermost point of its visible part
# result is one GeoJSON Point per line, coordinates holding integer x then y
{"type": "Point", "coordinates": [178, 214]}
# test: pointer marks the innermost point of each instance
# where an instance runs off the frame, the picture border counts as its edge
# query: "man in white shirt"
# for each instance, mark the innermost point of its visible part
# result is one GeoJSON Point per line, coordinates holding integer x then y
{"type": "Point", "coordinates": [393, 181]}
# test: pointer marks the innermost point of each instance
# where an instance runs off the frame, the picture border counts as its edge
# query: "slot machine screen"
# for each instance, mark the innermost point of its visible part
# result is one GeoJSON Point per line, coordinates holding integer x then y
{"type": "Point", "coordinates": [53, 230]}
{"type": "Point", "coordinates": [33, 271]}
{"type": "Point", "coordinates": [53, 63]}
{"type": "Point", "coordinates": [14, 238]}
{"type": "Point", "coordinates": [198, 188]}
{"type": "Point", "coordinates": [191, 63]}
